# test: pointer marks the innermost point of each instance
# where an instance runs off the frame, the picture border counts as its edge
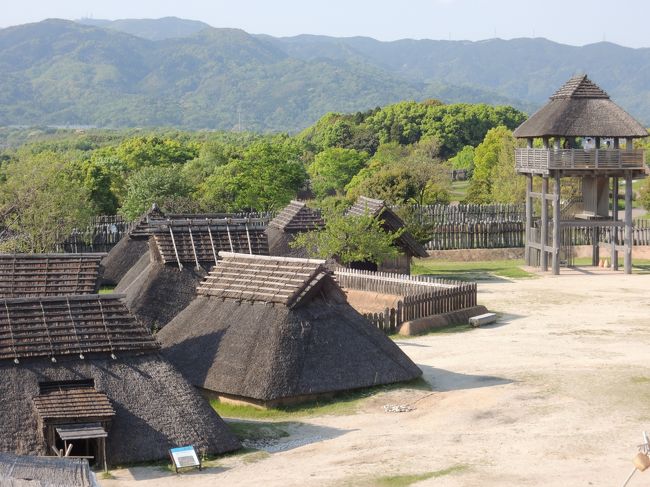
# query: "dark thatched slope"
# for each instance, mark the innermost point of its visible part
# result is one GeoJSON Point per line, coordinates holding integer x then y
{"type": "Point", "coordinates": [268, 329]}
{"type": "Point", "coordinates": [30, 471]}
{"type": "Point", "coordinates": [23, 275]}
{"type": "Point", "coordinates": [580, 108]}
{"type": "Point", "coordinates": [296, 217]}
{"type": "Point", "coordinates": [392, 222]}
{"type": "Point", "coordinates": [121, 379]}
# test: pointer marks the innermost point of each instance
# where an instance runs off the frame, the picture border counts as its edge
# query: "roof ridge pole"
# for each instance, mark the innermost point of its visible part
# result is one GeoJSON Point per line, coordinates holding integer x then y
{"type": "Point", "coordinates": [214, 251]}
{"type": "Point", "coordinates": [74, 327]}
{"type": "Point", "coordinates": [108, 337]}
{"type": "Point", "coordinates": [248, 237]}
{"type": "Point", "coordinates": [11, 334]}
{"type": "Point", "coordinates": [47, 330]}
{"type": "Point", "coordinates": [171, 232]}
{"type": "Point", "coordinates": [229, 237]}
{"type": "Point", "coordinates": [196, 259]}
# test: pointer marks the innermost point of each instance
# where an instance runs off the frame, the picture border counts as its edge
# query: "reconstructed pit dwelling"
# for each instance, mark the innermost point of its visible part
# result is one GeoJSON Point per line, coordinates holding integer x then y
{"type": "Point", "coordinates": [579, 109]}
{"type": "Point", "coordinates": [278, 330]}
{"type": "Point", "coordinates": [181, 251]}
{"type": "Point", "coordinates": [80, 370]}
{"type": "Point", "coordinates": [295, 218]}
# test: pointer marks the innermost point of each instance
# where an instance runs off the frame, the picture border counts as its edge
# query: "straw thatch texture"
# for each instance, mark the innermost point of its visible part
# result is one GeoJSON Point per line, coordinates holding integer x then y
{"type": "Point", "coordinates": [295, 218]}
{"type": "Point", "coordinates": [56, 326]}
{"type": "Point", "coordinates": [392, 222]}
{"type": "Point", "coordinates": [121, 258]}
{"type": "Point", "coordinates": [303, 341]}
{"type": "Point", "coordinates": [155, 408]}
{"type": "Point", "coordinates": [155, 292]}
{"type": "Point", "coordinates": [23, 275]}
{"type": "Point", "coordinates": [30, 471]}
{"type": "Point", "coordinates": [580, 108]}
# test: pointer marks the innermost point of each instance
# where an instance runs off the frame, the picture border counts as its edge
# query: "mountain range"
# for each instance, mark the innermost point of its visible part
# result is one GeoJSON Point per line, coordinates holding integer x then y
{"type": "Point", "coordinates": [184, 73]}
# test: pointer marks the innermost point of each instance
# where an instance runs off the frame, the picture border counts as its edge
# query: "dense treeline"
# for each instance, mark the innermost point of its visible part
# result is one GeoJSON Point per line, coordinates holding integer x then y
{"type": "Point", "coordinates": [55, 180]}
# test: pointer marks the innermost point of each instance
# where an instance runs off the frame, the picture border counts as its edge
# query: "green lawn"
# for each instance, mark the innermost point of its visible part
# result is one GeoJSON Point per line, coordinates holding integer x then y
{"type": "Point", "coordinates": [106, 290]}
{"type": "Point", "coordinates": [459, 190]}
{"type": "Point", "coordinates": [344, 403]}
{"type": "Point", "coordinates": [639, 266]}
{"type": "Point", "coordinates": [471, 271]}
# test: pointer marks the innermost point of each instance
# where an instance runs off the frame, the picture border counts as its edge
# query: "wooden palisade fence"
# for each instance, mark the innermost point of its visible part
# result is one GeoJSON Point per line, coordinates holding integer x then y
{"type": "Point", "coordinates": [420, 296]}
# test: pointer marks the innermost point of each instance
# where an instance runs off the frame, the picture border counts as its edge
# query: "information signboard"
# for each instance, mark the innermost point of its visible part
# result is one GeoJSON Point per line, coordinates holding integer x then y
{"type": "Point", "coordinates": [184, 457]}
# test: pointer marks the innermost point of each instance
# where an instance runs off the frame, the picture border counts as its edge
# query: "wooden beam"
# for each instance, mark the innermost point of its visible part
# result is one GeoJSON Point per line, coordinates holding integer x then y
{"type": "Point", "coordinates": [614, 234]}
{"type": "Point", "coordinates": [544, 229]}
{"type": "Point", "coordinates": [628, 224]}
{"type": "Point", "coordinates": [529, 214]}
{"type": "Point", "coordinates": [556, 226]}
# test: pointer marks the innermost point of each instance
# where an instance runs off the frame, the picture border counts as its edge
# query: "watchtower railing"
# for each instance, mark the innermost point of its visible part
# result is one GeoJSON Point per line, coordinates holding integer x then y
{"type": "Point", "coordinates": [542, 160]}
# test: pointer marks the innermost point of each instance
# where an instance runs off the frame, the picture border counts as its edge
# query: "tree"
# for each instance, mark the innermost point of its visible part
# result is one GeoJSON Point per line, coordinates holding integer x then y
{"type": "Point", "coordinates": [333, 168]}
{"type": "Point", "coordinates": [349, 239]}
{"type": "Point", "coordinates": [150, 185]}
{"type": "Point", "coordinates": [644, 194]}
{"type": "Point", "coordinates": [41, 202]}
{"type": "Point", "coordinates": [267, 177]}
{"type": "Point", "coordinates": [494, 179]}
{"type": "Point", "coordinates": [464, 159]}
{"type": "Point", "coordinates": [153, 150]}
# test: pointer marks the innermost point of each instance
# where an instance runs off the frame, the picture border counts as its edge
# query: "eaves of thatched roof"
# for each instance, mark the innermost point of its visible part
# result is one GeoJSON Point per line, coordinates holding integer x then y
{"type": "Point", "coordinates": [580, 108]}
{"type": "Point", "coordinates": [24, 275]}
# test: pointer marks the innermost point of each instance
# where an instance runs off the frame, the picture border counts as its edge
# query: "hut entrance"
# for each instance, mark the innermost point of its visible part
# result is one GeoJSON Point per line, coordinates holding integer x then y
{"type": "Point", "coordinates": [81, 440]}
{"type": "Point", "coordinates": [363, 265]}
{"type": "Point", "coordinates": [75, 418]}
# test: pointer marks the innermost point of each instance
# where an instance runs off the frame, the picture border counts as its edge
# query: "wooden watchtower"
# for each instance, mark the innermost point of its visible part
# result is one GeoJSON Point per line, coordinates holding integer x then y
{"type": "Point", "coordinates": [581, 131]}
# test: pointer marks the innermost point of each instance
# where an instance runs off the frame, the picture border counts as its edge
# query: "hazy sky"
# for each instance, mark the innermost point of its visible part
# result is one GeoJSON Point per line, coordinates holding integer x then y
{"type": "Point", "coordinates": [576, 22]}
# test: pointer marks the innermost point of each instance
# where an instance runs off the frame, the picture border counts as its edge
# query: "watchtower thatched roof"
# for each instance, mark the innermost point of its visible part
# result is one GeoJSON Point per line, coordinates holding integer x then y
{"type": "Point", "coordinates": [580, 108]}
{"type": "Point", "coordinates": [23, 275]}
{"type": "Point", "coordinates": [31, 471]}
{"type": "Point", "coordinates": [378, 209]}
{"type": "Point", "coordinates": [83, 359]}
{"type": "Point", "coordinates": [270, 330]}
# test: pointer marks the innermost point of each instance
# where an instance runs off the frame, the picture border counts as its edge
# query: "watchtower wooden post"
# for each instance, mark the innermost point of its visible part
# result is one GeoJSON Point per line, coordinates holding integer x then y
{"type": "Point", "coordinates": [579, 110]}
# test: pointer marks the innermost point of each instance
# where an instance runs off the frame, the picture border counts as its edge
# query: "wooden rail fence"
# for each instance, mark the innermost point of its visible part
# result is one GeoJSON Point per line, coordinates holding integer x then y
{"type": "Point", "coordinates": [421, 296]}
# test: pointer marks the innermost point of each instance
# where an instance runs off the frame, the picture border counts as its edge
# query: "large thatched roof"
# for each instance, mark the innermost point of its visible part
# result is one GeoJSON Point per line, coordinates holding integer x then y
{"type": "Point", "coordinates": [580, 108]}
{"type": "Point", "coordinates": [187, 241]}
{"type": "Point", "coordinates": [156, 292]}
{"type": "Point", "coordinates": [379, 209]}
{"type": "Point", "coordinates": [31, 471]}
{"type": "Point", "coordinates": [23, 275]}
{"type": "Point", "coordinates": [290, 333]}
{"type": "Point", "coordinates": [106, 367]}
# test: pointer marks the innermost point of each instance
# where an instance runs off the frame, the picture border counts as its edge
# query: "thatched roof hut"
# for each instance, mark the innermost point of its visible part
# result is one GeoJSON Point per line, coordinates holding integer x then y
{"type": "Point", "coordinates": [274, 330]}
{"type": "Point", "coordinates": [130, 248]}
{"type": "Point", "coordinates": [581, 108]}
{"type": "Point", "coordinates": [23, 275]}
{"type": "Point", "coordinates": [163, 282]}
{"type": "Point", "coordinates": [408, 245]}
{"type": "Point", "coordinates": [80, 370]}
{"type": "Point", "coordinates": [295, 218]}
{"type": "Point", "coordinates": [31, 471]}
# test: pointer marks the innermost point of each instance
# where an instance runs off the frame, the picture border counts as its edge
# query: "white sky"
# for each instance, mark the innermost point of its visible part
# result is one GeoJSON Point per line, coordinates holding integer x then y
{"type": "Point", "coordinates": [576, 22]}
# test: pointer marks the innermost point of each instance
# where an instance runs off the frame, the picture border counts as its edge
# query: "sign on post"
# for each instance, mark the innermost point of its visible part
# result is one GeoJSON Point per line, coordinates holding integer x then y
{"type": "Point", "coordinates": [184, 457]}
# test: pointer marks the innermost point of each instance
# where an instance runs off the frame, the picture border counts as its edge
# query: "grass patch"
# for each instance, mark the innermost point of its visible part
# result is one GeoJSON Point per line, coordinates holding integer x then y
{"type": "Point", "coordinates": [106, 476]}
{"type": "Point", "coordinates": [106, 290]}
{"type": "Point", "coordinates": [341, 404]}
{"type": "Point", "coordinates": [409, 479]}
{"type": "Point", "coordinates": [459, 190]}
{"type": "Point", "coordinates": [471, 271]}
{"type": "Point", "coordinates": [640, 380]}
{"type": "Point", "coordinates": [255, 457]}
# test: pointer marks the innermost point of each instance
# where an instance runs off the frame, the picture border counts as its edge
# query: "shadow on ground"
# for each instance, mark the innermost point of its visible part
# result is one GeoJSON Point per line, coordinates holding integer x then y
{"type": "Point", "coordinates": [444, 380]}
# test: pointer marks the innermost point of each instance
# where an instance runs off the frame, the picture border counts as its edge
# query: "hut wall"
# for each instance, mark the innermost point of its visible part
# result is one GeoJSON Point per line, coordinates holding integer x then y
{"type": "Point", "coordinates": [401, 264]}
{"type": "Point", "coordinates": [155, 408]}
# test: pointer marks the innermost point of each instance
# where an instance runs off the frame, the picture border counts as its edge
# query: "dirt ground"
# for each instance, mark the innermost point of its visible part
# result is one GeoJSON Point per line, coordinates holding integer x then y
{"type": "Point", "coordinates": [557, 393]}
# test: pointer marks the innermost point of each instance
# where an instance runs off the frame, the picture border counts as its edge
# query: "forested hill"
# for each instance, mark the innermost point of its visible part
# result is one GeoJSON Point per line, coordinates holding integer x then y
{"type": "Point", "coordinates": [173, 72]}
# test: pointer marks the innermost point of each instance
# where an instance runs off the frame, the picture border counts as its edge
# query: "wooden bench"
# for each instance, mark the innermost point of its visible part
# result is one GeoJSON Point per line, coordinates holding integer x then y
{"type": "Point", "coordinates": [484, 319]}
